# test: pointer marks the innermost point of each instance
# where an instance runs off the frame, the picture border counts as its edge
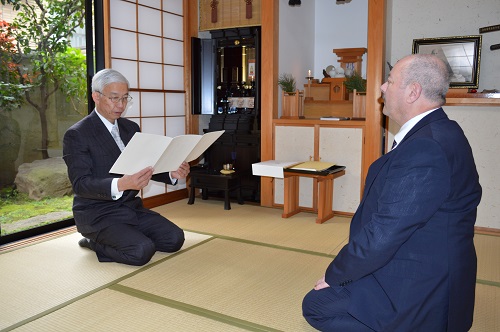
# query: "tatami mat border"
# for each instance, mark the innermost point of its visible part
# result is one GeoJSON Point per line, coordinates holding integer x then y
{"type": "Point", "coordinates": [263, 244]}
{"type": "Point", "coordinates": [488, 283]}
{"type": "Point", "coordinates": [479, 281]}
{"type": "Point", "coordinates": [191, 309]}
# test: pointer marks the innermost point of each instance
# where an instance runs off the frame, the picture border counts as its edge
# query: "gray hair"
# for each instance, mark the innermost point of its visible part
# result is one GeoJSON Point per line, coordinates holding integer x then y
{"type": "Point", "coordinates": [105, 77]}
{"type": "Point", "coordinates": [431, 73]}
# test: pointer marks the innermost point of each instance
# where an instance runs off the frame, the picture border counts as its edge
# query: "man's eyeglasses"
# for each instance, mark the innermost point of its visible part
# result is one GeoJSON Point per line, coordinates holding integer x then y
{"type": "Point", "coordinates": [115, 100]}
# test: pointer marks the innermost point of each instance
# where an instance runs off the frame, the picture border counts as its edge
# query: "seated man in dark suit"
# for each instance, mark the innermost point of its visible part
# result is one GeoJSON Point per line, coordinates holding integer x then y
{"type": "Point", "coordinates": [106, 208]}
{"type": "Point", "coordinates": [410, 263]}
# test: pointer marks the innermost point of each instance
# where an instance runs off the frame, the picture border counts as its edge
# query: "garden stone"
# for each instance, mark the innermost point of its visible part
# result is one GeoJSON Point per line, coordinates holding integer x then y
{"type": "Point", "coordinates": [44, 178]}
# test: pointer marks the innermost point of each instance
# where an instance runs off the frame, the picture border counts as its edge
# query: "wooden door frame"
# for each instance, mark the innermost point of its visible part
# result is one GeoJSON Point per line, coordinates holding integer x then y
{"type": "Point", "coordinates": [269, 87]}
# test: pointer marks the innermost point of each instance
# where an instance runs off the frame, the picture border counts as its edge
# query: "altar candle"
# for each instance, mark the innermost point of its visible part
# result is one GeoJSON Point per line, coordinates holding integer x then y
{"type": "Point", "coordinates": [309, 73]}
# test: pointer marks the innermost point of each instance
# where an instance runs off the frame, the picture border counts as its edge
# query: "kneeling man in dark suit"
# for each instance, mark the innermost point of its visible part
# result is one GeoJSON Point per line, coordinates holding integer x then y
{"type": "Point", "coordinates": [106, 208]}
{"type": "Point", "coordinates": [410, 263]}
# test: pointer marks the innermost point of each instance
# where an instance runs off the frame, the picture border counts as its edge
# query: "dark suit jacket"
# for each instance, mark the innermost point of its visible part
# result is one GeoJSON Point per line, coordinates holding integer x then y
{"type": "Point", "coordinates": [89, 151]}
{"type": "Point", "coordinates": [410, 264]}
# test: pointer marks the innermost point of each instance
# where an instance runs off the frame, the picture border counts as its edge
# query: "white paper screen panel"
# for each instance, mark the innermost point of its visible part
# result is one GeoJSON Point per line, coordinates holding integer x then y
{"type": "Point", "coordinates": [171, 24]}
{"type": "Point", "coordinates": [128, 69]}
{"type": "Point", "coordinates": [153, 103]}
{"type": "Point", "coordinates": [175, 105]}
{"type": "Point", "coordinates": [154, 125]}
{"type": "Point", "coordinates": [150, 21]}
{"type": "Point", "coordinates": [150, 76]}
{"type": "Point", "coordinates": [173, 52]}
{"type": "Point", "coordinates": [149, 48]}
{"type": "Point", "coordinates": [124, 44]}
{"type": "Point", "coordinates": [150, 3]}
{"type": "Point", "coordinates": [175, 126]}
{"type": "Point", "coordinates": [173, 6]}
{"type": "Point", "coordinates": [174, 78]}
{"type": "Point", "coordinates": [123, 15]}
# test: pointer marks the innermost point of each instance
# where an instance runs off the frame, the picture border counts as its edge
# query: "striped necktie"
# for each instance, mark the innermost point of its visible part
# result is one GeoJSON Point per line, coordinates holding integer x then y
{"type": "Point", "coordinates": [116, 136]}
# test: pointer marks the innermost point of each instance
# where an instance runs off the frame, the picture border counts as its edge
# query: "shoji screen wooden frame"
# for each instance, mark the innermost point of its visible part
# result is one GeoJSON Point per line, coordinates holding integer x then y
{"type": "Point", "coordinates": [145, 41]}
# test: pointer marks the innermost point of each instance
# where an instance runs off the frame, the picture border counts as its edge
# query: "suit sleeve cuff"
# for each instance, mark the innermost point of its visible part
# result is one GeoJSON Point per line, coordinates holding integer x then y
{"type": "Point", "coordinates": [173, 181]}
{"type": "Point", "coordinates": [115, 193]}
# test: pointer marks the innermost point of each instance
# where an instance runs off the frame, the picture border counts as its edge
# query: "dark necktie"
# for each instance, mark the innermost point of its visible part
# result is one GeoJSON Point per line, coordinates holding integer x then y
{"type": "Point", "coordinates": [394, 143]}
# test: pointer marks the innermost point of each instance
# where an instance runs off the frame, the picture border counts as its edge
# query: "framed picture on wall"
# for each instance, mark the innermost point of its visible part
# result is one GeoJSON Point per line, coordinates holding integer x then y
{"type": "Point", "coordinates": [462, 54]}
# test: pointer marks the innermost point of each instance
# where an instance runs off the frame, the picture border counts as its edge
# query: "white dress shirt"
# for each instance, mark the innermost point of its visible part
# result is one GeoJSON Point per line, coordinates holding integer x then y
{"type": "Point", "coordinates": [408, 126]}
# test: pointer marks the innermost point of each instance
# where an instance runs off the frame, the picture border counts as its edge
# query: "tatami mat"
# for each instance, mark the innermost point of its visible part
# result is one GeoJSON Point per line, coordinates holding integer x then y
{"type": "Point", "coordinates": [260, 224]}
{"type": "Point", "coordinates": [488, 261]}
{"type": "Point", "coordinates": [486, 309]}
{"type": "Point", "coordinates": [45, 275]}
{"type": "Point", "coordinates": [251, 276]}
{"type": "Point", "coordinates": [253, 283]}
{"type": "Point", "coordinates": [108, 310]}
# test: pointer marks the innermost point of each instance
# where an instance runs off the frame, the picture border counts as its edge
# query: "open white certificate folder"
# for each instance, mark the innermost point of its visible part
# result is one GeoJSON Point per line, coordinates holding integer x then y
{"type": "Point", "coordinates": [164, 154]}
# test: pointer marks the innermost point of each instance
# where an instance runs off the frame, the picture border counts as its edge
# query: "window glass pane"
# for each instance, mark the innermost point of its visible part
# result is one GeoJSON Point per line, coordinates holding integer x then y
{"type": "Point", "coordinates": [35, 189]}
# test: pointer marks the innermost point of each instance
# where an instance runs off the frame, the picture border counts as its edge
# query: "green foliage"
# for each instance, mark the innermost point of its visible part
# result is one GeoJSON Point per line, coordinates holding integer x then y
{"type": "Point", "coordinates": [15, 206]}
{"type": "Point", "coordinates": [355, 82]}
{"type": "Point", "coordinates": [72, 83]}
{"type": "Point", "coordinates": [287, 83]}
{"type": "Point", "coordinates": [11, 92]}
{"type": "Point", "coordinates": [42, 30]}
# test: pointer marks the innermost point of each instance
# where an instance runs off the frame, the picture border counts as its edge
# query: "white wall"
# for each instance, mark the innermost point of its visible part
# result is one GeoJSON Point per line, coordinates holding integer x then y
{"type": "Point", "coordinates": [308, 33]}
{"type": "Point", "coordinates": [338, 26]}
{"type": "Point", "coordinates": [430, 18]}
{"type": "Point", "coordinates": [296, 41]}
{"type": "Point", "coordinates": [407, 21]}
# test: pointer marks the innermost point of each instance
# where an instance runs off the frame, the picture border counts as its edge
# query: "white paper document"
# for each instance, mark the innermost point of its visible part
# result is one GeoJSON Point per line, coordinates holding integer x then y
{"type": "Point", "coordinates": [272, 168]}
{"type": "Point", "coordinates": [164, 154]}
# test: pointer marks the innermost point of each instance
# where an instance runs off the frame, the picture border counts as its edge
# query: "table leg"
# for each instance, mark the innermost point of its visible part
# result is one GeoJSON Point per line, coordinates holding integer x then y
{"type": "Point", "coordinates": [191, 195]}
{"type": "Point", "coordinates": [227, 203]}
{"type": "Point", "coordinates": [204, 193]}
{"type": "Point", "coordinates": [325, 198]}
{"type": "Point", "coordinates": [291, 196]}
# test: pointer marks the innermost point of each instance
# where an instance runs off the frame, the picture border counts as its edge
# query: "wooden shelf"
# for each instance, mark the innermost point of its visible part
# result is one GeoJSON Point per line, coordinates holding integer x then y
{"type": "Point", "coordinates": [472, 99]}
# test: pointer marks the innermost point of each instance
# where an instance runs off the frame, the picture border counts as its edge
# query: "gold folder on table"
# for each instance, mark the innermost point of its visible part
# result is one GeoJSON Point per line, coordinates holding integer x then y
{"type": "Point", "coordinates": [315, 166]}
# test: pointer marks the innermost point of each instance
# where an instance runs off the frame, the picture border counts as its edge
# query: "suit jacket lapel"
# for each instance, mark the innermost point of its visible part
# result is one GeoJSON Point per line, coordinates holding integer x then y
{"type": "Point", "coordinates": [126, 133]}
{"type": "Point", "coordinates": [434, 116]}
{"type": "Point", "coordinates": [379, 163]}
{"type": "Point", "coordinates": [103, 136]}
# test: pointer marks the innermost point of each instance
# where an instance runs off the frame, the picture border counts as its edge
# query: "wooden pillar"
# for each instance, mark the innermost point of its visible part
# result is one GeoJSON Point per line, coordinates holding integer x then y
{"type": "Point", "coordinates": [374, 79]}
{"type": "Point", "coordinates": [269, 91]}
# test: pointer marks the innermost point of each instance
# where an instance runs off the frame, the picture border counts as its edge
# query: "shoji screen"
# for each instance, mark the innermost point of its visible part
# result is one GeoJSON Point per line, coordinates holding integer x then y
{"type": "Point", "coordinates": [147, 46]}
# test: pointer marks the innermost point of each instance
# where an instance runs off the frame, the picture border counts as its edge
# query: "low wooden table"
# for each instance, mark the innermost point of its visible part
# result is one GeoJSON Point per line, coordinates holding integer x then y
{"type": "Point", "coordinates": [323, 197]}
{"type": "Point", "coordinates": [207, 180]}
